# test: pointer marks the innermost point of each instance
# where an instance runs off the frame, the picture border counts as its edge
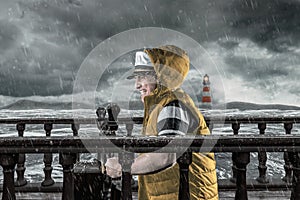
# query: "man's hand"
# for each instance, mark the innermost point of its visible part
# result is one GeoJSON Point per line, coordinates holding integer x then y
{"type": "Point", "coordinates": [113, 167]}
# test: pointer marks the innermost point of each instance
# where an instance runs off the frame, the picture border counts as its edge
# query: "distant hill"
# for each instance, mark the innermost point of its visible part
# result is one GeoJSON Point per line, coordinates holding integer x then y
{"type": "Point", "coordinates": [253, 106]}
{"type": "Point", "coordinates": [138, 105]}
{"type": "Point", "coordinates": [28, 105]}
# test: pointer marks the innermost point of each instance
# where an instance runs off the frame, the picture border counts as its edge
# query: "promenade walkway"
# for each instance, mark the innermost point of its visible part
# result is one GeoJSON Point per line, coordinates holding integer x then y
{"type": "Point", "coordinates": [224, 195]}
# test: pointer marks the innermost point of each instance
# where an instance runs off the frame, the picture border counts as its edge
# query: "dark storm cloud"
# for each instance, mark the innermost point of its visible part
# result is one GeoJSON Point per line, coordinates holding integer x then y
{"type": "Point", "coordinates": [43, 43]}
{"type": "Point", "coordinates": [9, 34]}
{"type": "Point", "coordinates": [102, 19]}
{"type": "Point", "coordinates": [60, 34]}
{"type": "Point", "coordinates": [270, 23]}
{"type": "Point", "coordinates": [252, 69]}
{"type": "Point", "coordinates": [264, 75]}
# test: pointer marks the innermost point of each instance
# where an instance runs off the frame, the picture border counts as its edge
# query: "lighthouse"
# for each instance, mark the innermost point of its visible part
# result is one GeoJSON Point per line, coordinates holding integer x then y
{"type": "Point", "coordinates": [206, 95]}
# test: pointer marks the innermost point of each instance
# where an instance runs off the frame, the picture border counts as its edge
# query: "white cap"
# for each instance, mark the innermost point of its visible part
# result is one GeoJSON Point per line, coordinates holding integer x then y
{"type": "Point", "coordinates": [142, 64]}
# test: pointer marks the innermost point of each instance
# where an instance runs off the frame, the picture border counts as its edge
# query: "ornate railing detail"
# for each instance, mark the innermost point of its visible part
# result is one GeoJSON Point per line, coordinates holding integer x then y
{"type": "Point", "coordinates": [184, 162]}
{"type": "Point", "coordinates": [262, 158]}
{"type": "Point", "coordinates": [288, 163]}
{"type": "Point", "coordinates": [21, 159]}
{"type": "Point", "coordinates": [67, 160]}
{"type": "Point", "coordinates": [8, 163]}
{"type": "Point", "coordinates": [235, 127]}
{"type": "Point", "coordinates": [48, 159]}
{"type": "Point", "coordinates": [13, 150]}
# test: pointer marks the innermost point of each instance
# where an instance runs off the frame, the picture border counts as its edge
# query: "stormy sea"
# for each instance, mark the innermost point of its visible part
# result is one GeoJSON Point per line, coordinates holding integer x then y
{"type": "Point", "coordinates": [37, 109]}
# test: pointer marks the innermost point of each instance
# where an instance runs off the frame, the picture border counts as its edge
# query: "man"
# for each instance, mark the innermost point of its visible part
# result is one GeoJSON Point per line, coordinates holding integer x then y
{"type": "Point", "coordinates": [168, 110]}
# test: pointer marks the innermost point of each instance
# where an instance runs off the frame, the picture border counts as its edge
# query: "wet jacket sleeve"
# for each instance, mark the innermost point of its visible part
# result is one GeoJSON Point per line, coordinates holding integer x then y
{"type": "Point", "coordinates": [172, 120]}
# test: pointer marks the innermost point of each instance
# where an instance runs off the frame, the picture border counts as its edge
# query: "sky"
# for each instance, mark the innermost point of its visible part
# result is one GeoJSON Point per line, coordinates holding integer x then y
{"type": "Point", "coordinates": [254, 43]}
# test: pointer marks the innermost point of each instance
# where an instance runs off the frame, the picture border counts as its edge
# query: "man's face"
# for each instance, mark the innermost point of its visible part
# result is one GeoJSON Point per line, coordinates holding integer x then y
{"type": "Point", "coordinates": [145, 84]}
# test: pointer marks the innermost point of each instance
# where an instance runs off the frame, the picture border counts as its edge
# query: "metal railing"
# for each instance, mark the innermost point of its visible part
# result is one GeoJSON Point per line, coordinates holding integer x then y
{"type": "Point", "coordinates": [13, 150]}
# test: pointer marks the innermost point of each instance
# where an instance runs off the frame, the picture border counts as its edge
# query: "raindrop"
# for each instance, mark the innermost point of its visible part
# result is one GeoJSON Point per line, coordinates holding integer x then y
{"type": "Point", "coordinates": [10, 9]}
{"type": "Point", "coordinates": [78, 17]}
{"type": "Point", "coordinates": [39, 65]}
{"type": "Point", "coordinates": [61, 83]}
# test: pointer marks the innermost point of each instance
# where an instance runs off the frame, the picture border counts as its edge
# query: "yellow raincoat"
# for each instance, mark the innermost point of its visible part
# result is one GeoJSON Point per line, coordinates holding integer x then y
{"type": "Point", "coordinates": [171, 65]}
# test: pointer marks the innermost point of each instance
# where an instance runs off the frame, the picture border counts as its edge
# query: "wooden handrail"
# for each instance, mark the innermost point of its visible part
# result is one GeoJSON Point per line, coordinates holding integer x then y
{"type": "Point", "coordinates": [219, 143]}
{"type": "Point", "coordinates": [69, 146]}
{"type": "Point", "coordinates": [138, 120]}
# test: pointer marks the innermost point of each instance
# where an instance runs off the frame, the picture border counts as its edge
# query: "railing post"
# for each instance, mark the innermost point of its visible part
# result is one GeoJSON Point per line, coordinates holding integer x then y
{"type": "Point", "coordinates": [288, 167]}
{"type": "Point", "coordinates": [235, 128]}
{"type": "Point", "coordinates": [126, 160]}
{"type": "Point", "coordinates": [48, 159]}
{"type": "Point", "coordinates": [210, 126]}
{"type": "Point", "coordinates": [8, 163]}
{"type": "Point", "coordinates": [107, 187]}
{"type": "Point", "coordinates": [75, 127]}
{"type": "Point", "coordinates": [242, 160]}
{"type": "Point", "coordinates": [21, 159]}
{"type": "Point", "coordinates": [103, 127]}
{"type": "Point", "coordinates": [129, 128]}
{"type": "Point", "coordinates": [184, 161]}
{"type": "Point", "coordinates": [262, 158]}
{"type": "Point", "coordinates": [67, 161]}
{"type": "Point", "coordinates": [109, 126]}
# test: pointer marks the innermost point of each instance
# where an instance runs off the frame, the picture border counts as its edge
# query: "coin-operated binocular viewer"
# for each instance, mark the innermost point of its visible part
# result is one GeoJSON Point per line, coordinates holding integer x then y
{"type": "Point", "coordinates": [91, 181]}
{"type": "Point", "coordinates": [108, 126]}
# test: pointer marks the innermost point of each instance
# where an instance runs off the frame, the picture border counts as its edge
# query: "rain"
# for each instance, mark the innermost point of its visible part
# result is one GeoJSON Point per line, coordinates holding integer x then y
{"type": "Point", "coordinates": [251, 53]}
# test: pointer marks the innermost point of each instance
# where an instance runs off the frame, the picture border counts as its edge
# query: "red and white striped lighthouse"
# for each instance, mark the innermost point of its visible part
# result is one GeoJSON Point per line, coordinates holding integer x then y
{"type": "Point", "coordinates": [206, 95]}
